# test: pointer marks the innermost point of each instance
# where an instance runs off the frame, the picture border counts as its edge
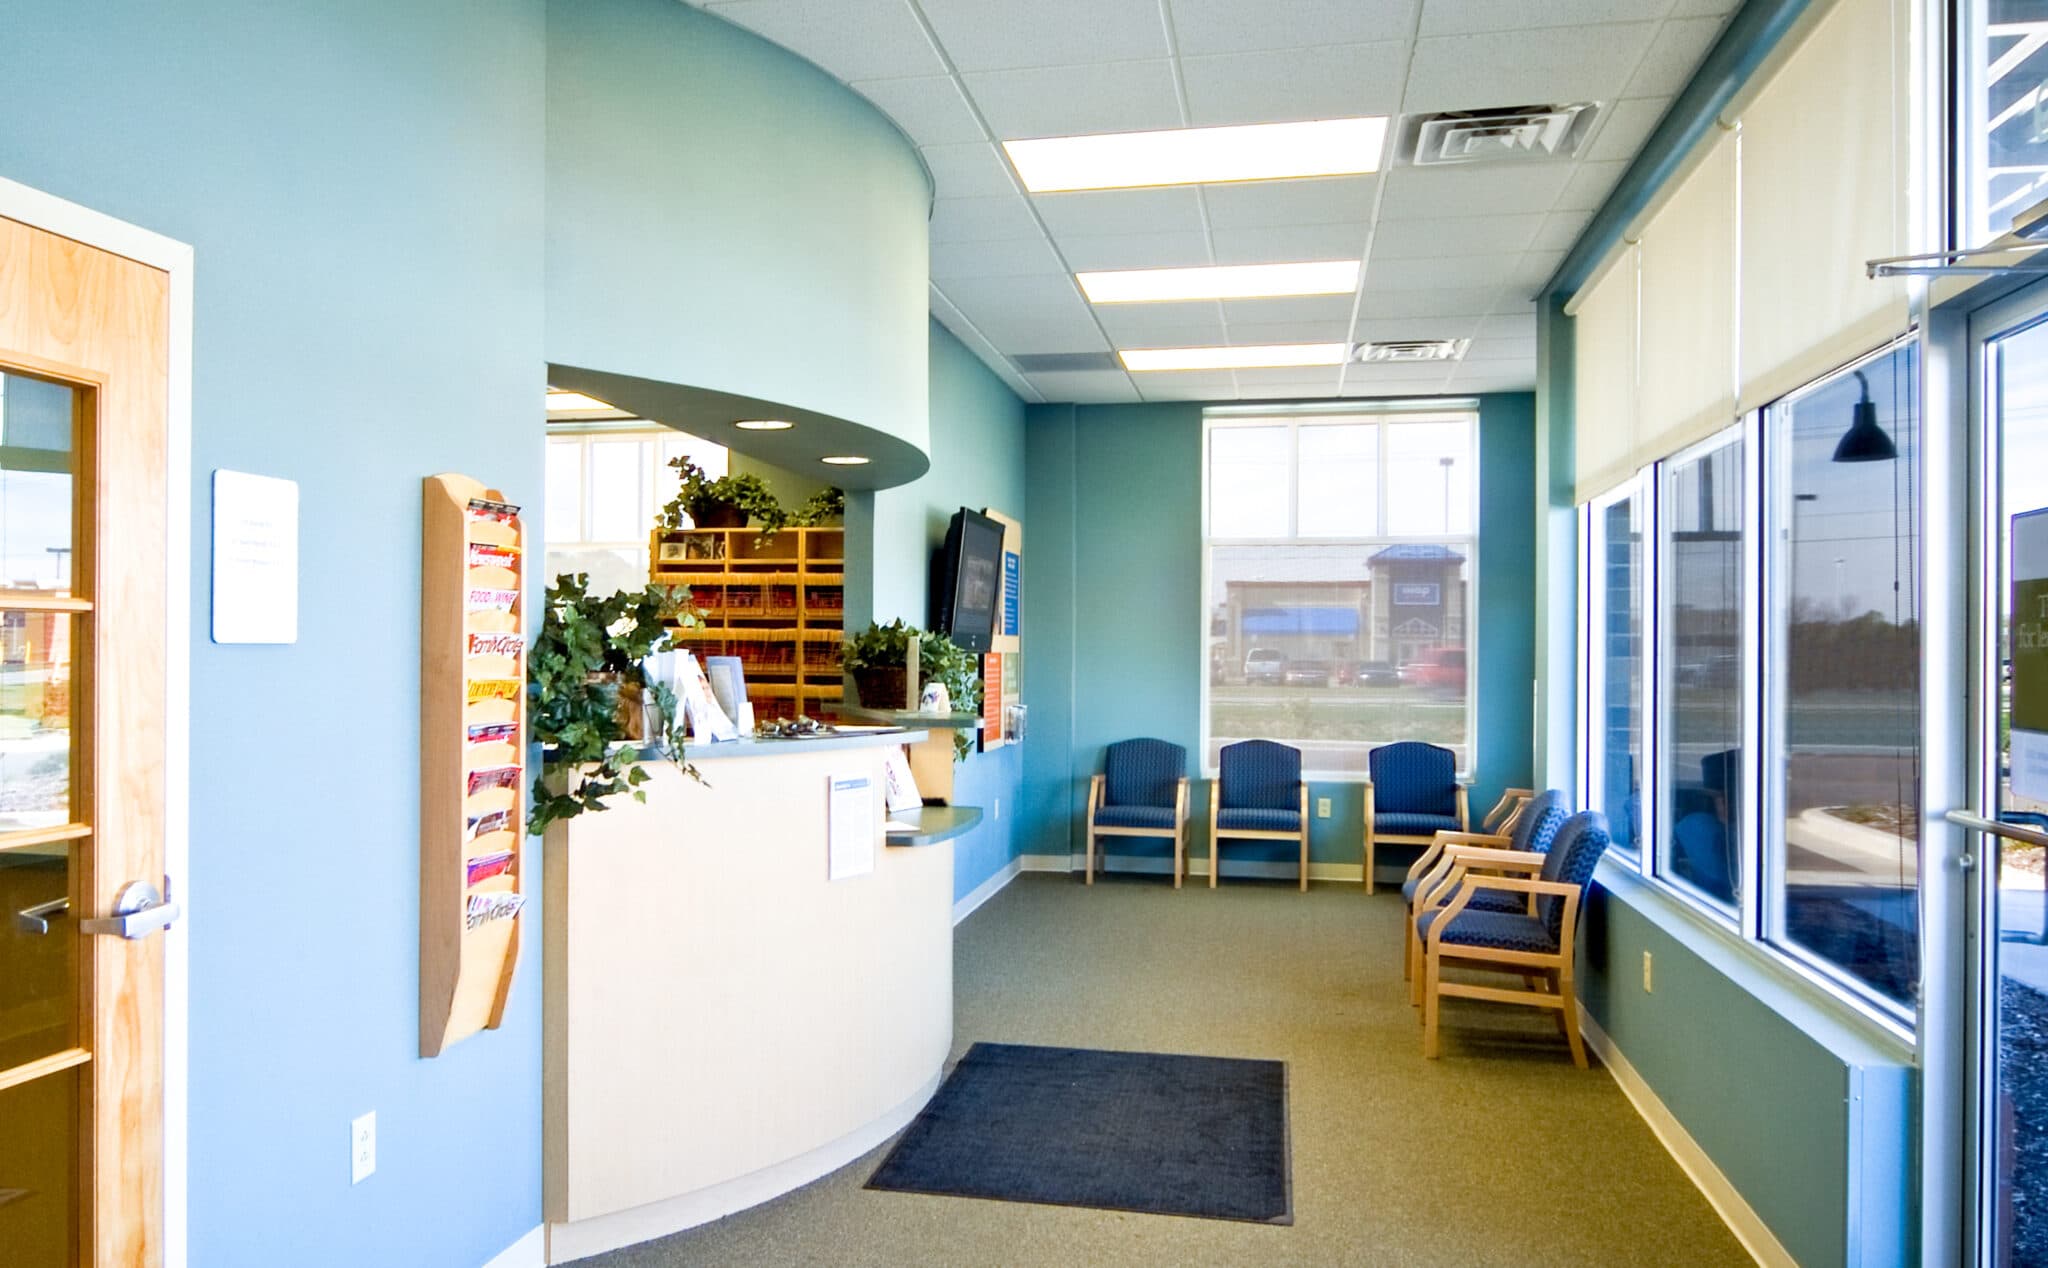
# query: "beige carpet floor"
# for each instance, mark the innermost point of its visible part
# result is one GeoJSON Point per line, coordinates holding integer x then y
{"type": "Point", "coordinates": [1499, 1153]}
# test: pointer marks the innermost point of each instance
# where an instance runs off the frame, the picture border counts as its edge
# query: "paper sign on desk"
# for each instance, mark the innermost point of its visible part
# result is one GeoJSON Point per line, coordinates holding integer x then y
{"type": "Point", "coordinates": [850, 828]}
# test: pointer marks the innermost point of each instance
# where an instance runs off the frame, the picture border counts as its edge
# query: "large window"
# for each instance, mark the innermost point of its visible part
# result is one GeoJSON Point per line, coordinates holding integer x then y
{"type": "Point", "coordinates": [1338, 556]}
{"type": "Point", "coordinates": [2002, 117]}
{"type": "Point", "coordinates": [1842, 718]}
{"type": "Point", "coordinates": [1617, 580]}
{"type": "Point", "coordinates": [1701, 618]}
{"type": "Point", "coordinates": [604, 486]}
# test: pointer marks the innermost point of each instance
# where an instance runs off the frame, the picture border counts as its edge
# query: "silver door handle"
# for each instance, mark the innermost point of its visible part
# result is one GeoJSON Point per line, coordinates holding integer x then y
{"type": "Point", "coordinates": [1992, 827]}
{"type": "Point", "coordinates": [139, 910]}
{"type": "Point", "coordinates": [36, 919]}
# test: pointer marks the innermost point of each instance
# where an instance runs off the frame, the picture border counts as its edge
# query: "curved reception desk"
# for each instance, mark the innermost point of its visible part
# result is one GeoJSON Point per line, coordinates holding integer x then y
{"type": "Point", "coordinates": [725, 1021]}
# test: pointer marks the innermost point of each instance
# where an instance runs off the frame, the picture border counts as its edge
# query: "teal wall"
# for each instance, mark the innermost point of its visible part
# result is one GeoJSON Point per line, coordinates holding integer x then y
{"type": "Point", "coordinates": [723, 214]}
{"type": "Point", "coordinates": [977, 451]}
{"type": "Point", "coordinates": [362, 186]}
{"type": "Point", "coordinates": [1113, 610]}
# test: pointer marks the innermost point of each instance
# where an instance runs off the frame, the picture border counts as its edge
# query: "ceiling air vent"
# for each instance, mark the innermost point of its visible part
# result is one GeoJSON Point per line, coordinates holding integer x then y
{"type": "Point", "coordinates": [1414, 350]}
{"type": "Point", "coordinates": [1519, 134]}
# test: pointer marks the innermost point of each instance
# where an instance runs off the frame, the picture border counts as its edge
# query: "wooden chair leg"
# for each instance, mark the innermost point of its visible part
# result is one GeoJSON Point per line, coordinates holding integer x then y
{"type": "Point", "coordinates": [1370, 886]}
{"type": "Point", "coordinates": [1568, 1011]}
{"type": "Point", "coordinates": [1430, 999]}
{"type": "Point", "coordinates": [1180, 837]}
{"type": "Point", "coordinates": [1408, 945]}
{"type": "Point", "coordinates": [1091, 854]}
{"type": "Point", "coordinates": [1304, 861]}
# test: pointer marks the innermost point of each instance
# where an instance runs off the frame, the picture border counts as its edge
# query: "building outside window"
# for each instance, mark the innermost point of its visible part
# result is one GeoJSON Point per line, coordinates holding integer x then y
{"type": "Point", "coordinates": [2002, 120]}
{"type": "Point", "coordinates": [1842, 722]}
{"type": "Point", "coordinates": [1700, 618]}
{"type": "Point", "coordinates": [1616, 662]}
{"type": "Point", "coordinates": [604, 488]}
{"type": "Point", "coordinates": [1338, 556]}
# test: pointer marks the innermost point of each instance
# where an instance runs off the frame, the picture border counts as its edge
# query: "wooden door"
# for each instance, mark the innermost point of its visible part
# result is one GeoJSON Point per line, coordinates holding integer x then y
{"type": "Point", "coordinates": [84, 360]}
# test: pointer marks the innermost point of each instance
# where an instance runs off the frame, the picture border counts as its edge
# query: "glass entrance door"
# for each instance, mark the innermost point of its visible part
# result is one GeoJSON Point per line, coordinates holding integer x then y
{"type": "Point", "coordinates": [2010, 903]}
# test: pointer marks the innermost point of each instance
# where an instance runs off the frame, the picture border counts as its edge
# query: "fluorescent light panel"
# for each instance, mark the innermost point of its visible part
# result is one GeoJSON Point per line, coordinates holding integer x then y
{"type": "Point", "coordinates": [845, 460]}
{"type": "Point", "coordinates": [1227, 281]}
{"type": "Point", "coordinates": [764, 424]}
{"type": "Point", "coordinates": [1242, 357]}
{"type": "Point", "coordinates": [1194, 156]}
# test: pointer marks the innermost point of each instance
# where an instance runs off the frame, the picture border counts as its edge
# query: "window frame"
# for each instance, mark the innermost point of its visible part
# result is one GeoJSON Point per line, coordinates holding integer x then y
{"type": "Point", "coordinates": [654, 483]}
{"type": "Point", "coordinates": [1773, 858]}
{"type": "Point", "coordinates": [1591, 787]}
{"type": "Point", "coordinates": [1380, 412]}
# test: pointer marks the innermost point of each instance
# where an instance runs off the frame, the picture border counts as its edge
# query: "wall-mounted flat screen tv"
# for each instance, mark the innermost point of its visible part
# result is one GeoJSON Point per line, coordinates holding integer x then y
{"type": "Point", "coordinates": [968, 587]}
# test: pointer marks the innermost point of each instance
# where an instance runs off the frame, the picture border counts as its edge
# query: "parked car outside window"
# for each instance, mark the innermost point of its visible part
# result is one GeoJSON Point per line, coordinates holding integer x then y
{"type": "Point", "coordinates": [1264, 664]}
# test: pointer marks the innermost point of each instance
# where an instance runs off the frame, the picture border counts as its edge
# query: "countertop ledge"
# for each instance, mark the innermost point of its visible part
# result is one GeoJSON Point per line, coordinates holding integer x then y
{"type": "Point", "coordinates": [705, 751]}
{"type": "Point", "coordinates": [933, 824]}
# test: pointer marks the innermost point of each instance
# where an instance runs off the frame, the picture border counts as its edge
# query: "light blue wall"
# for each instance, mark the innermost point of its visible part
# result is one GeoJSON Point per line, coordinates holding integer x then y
{"type": "Point", "coordinates": [1113, 610]}
{"type": "Point", "coordinates": [362, 185]}
{"type": "Point", "coordinates": [723, 214]}
{"type": "Point", "coordinates": [977, 451]}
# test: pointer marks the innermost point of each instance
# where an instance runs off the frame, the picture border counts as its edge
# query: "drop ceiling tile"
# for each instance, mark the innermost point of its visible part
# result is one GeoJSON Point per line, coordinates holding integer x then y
{"type": "Point", "coordinates": [1321, 331]}
{"type": "Point", "coordinates": [983, 219]}
{"type": "Point", "coordinates": [1465, 385]}
{"type": "Point", "coordinates": [1371, 328]}
{"type": "Point", "coordinates": [1433, 193]}
{"type": "Point", "coordinates": [969, 170]}
{"type": "Point", "coordinates": [1015, 257]}
{"type": "Point", "coordinates": [1534, 271]}
{"type": "Point", "coordinates": [983, 36]}
{"type": "Point", "coordinates": [1162, 325]}
{"type": "Point", "coordinates": [1229, 26]}
{"type": "Point", "coordinates": [1673, 56]}
{"type": "Point", "coordinates": [1134, 250]}
{"type": "Point", "coordinates": [1513, 68]}
{"type": "Point", "coordinates": [1560, 231]}
{"type": "Point", "coordinates": [931, 110]}
{"type": "Point", "coordinates": [854, 39]}
{"type": "Point", "coordinates": [1521, 348]}
{"type": "Point", "coordinates": [1624, 127]}
{"type": "Point", "coordinates": [1257, 385]}
{"type": "Point", "coordinates": [1327, 82]}
{"type": "Point", "coordinates": [1173, 210]}
{"type": "Point", "coordinates": [1454, 235]}
{"type": "Point", "coordinates": [1283, 244]}
{"type": "Point", "coordinates": [1186, 387]}
{"type": "Point", "coordinates": [1261, 204]}
{"type": "Point", "coordinates": [1461, 302]}
{"type": "Point", "coordinates": [1506, 325]}
{"type": "Point", "coordinates": [1070, 100]}
{"type": "Point", "coordinates": [1589, 185]}
{"type": "Point", "coordinates": [1020, 333]}
{"type": "Point", "coordinates": [1700, 8]}
{"type": "Point", "coordinates": [1334, 309]}
{"type": "Point", "coordinates": [1469, 272]}
{"type": "Point", "coordinates": [1085, 386]}
{"type": "Point", "coordinates": [1468, 17]}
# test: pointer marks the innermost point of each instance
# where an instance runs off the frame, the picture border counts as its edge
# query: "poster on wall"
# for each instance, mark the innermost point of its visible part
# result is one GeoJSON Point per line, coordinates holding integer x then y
{"type": "Point", "coordinates": [255, 558]}
{"type": "Point", "coordinates": [2030, 655]}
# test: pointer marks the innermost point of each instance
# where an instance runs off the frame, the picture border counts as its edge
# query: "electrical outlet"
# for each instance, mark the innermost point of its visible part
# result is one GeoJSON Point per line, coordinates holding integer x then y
{"type": "Point", "coordinates": [999, 807]}
{"type": "Point", "coordinates": [362, 1147]}
{"type": "Point", "coordinates": [1647, 987]}
{"type": "Point", "coordinates": [1322, 807]}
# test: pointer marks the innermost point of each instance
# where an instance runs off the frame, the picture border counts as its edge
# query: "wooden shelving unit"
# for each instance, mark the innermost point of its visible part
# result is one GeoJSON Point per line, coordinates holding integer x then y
{"type": "Point", "coordinates": [779, 605]}
{"type": "Point", "coordinates": [472, 757]}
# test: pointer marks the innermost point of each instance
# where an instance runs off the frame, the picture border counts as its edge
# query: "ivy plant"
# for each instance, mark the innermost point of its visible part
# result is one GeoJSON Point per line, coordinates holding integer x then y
{"type": "Point", "coordinates": [827, 505]}
{"type": "Point", "coordinates": [939, 659]}
{"type": "Point", "coordinates": [590, 647]}
{"type": "Point", "coordinates": [699, 494]}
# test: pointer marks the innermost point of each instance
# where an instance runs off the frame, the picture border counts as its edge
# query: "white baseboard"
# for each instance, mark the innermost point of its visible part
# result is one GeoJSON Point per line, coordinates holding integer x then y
{"type": "Point", "coordinates": [530, 1251]}
{"type": "Point", "coordinates": [579, 1238]}
{"type": "Point", "coordinates": [1009, 872]}
{"type": "Point", "coordinates": [1742, 1220]}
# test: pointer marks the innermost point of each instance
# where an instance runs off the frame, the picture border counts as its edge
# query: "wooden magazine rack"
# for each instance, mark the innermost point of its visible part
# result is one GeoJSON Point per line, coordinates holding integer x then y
{"type": "Point", "coordinates": [472, 757]}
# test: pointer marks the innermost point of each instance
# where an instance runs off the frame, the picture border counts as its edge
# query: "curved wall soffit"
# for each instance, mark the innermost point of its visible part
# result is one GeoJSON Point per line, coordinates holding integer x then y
{"type": "Point", "coordinates": [711, 414]}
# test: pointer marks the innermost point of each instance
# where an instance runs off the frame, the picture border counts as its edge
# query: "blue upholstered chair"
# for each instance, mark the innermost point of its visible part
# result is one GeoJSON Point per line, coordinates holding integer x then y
{"type": "Point", "coordinates": [1257, 796]}
{"type": "Point", "coordinates": [1537, 944]}
{"type": "Point", "coordinates": [1411, 794]}
{"type": "Point", "coordinates": [1530, 830]}
{"type": "Point", "coordinates": [1141, 792]}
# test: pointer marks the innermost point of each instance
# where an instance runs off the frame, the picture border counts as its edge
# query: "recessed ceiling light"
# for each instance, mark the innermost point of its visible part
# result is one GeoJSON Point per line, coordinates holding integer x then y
{"type": "Point", "coordinates": [1191, 156]}
{"type": "Point", "coordinates": [1229, 281]}
{"type": "Point", "coordinates": [764, 424]}
{"type": "Point", "coordinates": [562, 402]}
{"type": "Point", "coordinates": [845, 460]}
{"type": "Point", "coordinates": [1244, 357]}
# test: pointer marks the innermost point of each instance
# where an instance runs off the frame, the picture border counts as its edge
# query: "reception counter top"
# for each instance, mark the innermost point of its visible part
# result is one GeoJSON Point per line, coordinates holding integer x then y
{"type": "Point", "coordinates": [724, 1023]}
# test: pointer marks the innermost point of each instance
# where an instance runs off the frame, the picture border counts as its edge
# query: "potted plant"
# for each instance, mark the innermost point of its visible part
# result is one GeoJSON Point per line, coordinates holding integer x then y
{"type": "Point", "coordinates": [729, 501]}
{"type": "Point", "coordinates": [826, 506]}
{"type": "Point", "coordinates": [878, 660]}
{"type": "Point", "coordinates": [588, 695]}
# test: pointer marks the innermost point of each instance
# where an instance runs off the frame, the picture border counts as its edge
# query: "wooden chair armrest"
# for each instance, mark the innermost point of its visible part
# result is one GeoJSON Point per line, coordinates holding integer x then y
{"type": "Point", "coordinates": [1475, 840]}
{"type": "Point", "coordinates": [1521, 884]}
{"type": "Point", "coordinates": [1464, 804]}
{"type": "Point", "coordinates": [1514, 860]}
{"type": "Point", "coordinates": [1433, 853]}
{"type": "Point", "coordinates": [1180, 800]}
{"type": "Point", "coordinates": [1095, 783]}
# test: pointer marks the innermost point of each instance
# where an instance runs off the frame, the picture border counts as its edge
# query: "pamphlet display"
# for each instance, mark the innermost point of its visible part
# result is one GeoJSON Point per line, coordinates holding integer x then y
{"type": "Point", "coordinates": [472, 757]}
{"type": "Point", "coordinates": [1002, 667]}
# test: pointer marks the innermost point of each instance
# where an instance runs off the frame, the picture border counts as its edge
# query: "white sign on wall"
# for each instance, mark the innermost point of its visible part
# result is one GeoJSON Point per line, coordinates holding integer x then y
{"type": "Point", "coordinates": [255, 558]}
{"type": "Point", "coordinates": [2030, 655]}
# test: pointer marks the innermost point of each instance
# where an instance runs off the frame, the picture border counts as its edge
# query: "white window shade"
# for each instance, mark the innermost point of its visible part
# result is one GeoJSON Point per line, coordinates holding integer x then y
{"type": "Point", "coordinates": [1604, 376]}
{"type": "Point", "coordinates": [1823, 189]}
{"type": "Point", "coordinates": [1687, 359]}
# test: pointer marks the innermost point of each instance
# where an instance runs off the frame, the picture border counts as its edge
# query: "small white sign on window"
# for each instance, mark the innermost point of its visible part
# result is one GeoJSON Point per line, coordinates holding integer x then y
{"type": "Point", "coordinates": [255, 558]}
